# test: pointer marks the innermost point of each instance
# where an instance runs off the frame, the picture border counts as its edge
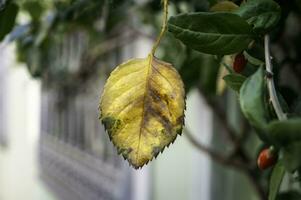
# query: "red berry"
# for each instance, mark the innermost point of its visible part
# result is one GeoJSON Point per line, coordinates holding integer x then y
{"type": "Point", "coordinates": [239, 63]}
{"type": "Point", "coordinates": [267, 158]}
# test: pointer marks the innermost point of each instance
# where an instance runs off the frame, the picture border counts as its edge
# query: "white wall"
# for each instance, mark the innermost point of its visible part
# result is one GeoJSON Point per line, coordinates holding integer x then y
{"type": "Point", "coordinates": [18, 162]}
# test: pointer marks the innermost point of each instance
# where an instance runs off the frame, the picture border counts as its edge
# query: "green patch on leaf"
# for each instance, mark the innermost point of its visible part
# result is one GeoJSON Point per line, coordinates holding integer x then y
{"type": "Point", "coordinates": [111, 124]}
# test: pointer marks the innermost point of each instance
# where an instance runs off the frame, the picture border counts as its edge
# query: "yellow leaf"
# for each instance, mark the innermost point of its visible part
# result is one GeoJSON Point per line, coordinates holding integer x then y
{"type": "Point", "coordinates": [142, 108]}
{"type": "Point", "coordinates": [224, 6]}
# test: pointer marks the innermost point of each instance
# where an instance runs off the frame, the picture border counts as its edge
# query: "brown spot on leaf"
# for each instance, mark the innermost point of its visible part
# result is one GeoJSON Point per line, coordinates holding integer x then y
{"type": "Point", "coordinates": [180, 120]}
{"type": "Point", "coordinates": [156, 151]}
{"type": "Point", "coordinates": [163, 119]}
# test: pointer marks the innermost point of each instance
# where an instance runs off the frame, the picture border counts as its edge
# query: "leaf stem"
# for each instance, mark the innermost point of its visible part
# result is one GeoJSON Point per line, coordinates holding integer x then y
{"type": "Point", "coordinates": [163, 28]}
{"type": "Point", "coordinates": [270, 81]}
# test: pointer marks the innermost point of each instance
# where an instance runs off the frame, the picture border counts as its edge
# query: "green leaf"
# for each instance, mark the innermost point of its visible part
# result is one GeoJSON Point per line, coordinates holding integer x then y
{"type": "Point", "coordinates": [287, 136]}
{"type": "Point", "coordinates": [284, 132]}
{"type": "Point", "coordinates": [252, 100]}
{"type": "Point", "coordinates": [275, 181]}
{"type": "Point", "coordinates": [262, 14]}
{"type": "Point", "coordinates": [253, 60]}
{"type": "Point", "coordinates": [7, 19]}
{"type": "Point", "coordinates": [212, 33]}
{"type": "Point", "coordinates": [291, 156]}
{"type": "Point", "coordinates": [234, 81]}
{"type": "Point", "coordinates": [255, 54]}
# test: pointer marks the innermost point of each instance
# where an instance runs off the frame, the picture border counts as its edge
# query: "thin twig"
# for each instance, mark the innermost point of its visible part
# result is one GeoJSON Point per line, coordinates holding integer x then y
{"type": "Point", "coordinates": [245, 130]}
{"type": "Point", "coordinates": [270, 81]}
{"type": "Point", "coordinates": [222, 159]}
{"type": "Point", "coordinates": [218, 111]}
{"type": "Point", "coordinates": [255, 183]}
{"type": "Point", "coordinates": [231, 134]}
{"type": "Point", "coordinates": [228, 161]}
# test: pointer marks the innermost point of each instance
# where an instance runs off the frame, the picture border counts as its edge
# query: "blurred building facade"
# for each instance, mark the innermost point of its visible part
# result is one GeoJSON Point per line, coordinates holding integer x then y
{"type": "Point", "coordinates": [3, 80]}
{"type": "Point", "coordinates": [74, 148]}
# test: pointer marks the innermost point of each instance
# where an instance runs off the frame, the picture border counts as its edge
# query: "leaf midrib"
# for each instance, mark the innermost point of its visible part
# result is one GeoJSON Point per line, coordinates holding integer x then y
{"type": "Point", "coordinates": [270, 13]}
{"type": "Point", "coordinates": [211, 34]}
{"type": "Point", "coordinates": [143, 103]}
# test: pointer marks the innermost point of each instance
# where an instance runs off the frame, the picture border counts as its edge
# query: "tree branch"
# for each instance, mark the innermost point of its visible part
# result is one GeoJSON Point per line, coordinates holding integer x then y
{"type": "Point", "coordinates": [270, 81]}
{"type": "Point", "coordinates": [231, 134]}
{"type": "Point", "coordinates": [218, 111]}
{"type": "Point", "coordinates": [228, 161]}
{"type": "Point", "coordinates": [224, 160]}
